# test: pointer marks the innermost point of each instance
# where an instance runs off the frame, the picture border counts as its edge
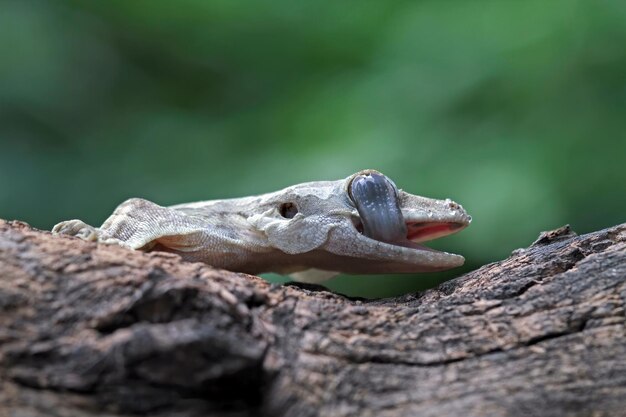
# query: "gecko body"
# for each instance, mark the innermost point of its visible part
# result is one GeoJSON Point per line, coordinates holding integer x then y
{"type": "Point", "coordinates": [362, 224]}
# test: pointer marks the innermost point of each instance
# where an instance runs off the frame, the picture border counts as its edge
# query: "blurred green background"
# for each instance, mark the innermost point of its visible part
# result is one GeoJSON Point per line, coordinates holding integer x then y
{"type": "Point", "coordinates": [515, 109]}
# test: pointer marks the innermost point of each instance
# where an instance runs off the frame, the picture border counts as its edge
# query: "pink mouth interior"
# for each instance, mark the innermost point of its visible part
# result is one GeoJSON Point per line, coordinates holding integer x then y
{"type": "Point", "coordinates": [420, 232]}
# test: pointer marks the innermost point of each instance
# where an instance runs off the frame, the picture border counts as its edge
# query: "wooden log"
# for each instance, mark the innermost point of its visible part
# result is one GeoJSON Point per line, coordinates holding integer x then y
{"type": "Point", "coordinates": [96, 330]}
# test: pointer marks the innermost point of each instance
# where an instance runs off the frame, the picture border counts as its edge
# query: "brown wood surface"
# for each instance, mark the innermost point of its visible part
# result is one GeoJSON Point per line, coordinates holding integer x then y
{"type": "Point", "coordinates": [95, 330]}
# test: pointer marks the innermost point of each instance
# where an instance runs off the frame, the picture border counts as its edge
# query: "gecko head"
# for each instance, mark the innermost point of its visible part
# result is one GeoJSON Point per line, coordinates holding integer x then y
{"type": "Point", "coordinates": [393, 224]}
{"type": "Point", "coordinates": [362, 224]}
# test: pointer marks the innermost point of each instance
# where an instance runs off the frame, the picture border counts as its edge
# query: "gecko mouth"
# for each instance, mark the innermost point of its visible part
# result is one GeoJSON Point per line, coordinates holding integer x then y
{"type": "Point", "coordinates": [417, 232]}
{"type": "Point", "coordinates": [381, 218]}
{"type": "Point", "coordinates": [422, 232]}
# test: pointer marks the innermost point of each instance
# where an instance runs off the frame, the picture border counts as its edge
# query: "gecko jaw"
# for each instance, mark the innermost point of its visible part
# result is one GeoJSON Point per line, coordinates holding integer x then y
{"type": "Point", "coordinates": [404, 255]}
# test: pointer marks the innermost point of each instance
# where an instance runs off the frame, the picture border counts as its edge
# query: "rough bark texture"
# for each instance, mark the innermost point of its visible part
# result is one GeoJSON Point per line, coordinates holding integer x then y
{"type": "Point", "coordinates": [93, 330]}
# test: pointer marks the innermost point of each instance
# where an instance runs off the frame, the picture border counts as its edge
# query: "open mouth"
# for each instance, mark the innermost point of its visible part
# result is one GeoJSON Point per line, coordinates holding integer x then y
{"type": "Point", "coordinates": [422, 232]}
{"type": "Point", "coordinates": [418, 232]}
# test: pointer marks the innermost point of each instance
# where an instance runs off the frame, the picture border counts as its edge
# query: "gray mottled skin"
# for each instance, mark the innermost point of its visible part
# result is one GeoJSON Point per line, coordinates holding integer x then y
{"type": "Point", "coordinates": [255, 234]}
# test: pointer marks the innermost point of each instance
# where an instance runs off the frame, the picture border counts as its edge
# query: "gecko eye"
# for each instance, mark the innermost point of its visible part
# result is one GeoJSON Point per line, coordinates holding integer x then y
{"type": "Point", "coordinates": [288, 210]}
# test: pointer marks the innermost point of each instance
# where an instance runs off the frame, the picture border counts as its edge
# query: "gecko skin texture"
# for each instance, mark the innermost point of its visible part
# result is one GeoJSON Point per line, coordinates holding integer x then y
{"type": "Point", "coordinates": [362, 224]}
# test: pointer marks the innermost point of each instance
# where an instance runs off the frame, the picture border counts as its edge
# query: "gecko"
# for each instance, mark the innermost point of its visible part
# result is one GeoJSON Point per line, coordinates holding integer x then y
{"type": "Point", "coordinates": [362, 224]}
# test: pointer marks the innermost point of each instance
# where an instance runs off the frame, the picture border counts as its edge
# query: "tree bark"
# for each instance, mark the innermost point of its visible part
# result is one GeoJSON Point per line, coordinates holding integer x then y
{"type": "Point", "coordinates": [95, 330]}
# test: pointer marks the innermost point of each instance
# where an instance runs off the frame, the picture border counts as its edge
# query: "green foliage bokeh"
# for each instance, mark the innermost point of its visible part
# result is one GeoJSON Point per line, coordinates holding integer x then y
{"type": "Point", "coordinates": [517, 110]}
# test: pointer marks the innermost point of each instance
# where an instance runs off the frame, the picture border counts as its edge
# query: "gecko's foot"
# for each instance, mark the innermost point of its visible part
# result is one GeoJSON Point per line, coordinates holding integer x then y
{"type": "Point", "coordinates": [76, 228]}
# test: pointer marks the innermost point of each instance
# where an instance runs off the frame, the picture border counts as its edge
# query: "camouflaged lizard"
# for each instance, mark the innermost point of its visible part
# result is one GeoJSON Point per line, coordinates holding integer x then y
{"type": "Point", "coordinates": [362, 224]}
